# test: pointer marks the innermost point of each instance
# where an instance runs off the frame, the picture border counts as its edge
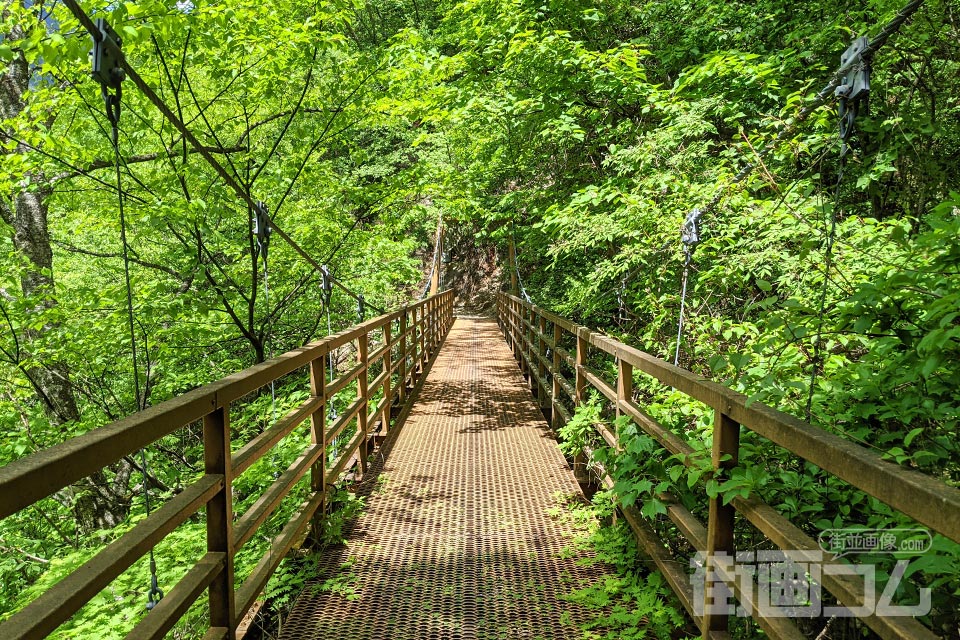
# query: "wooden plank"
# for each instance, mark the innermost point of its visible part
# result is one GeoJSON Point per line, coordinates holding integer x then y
{"type": "Point", "coordinates": [252, 587]}
{"type": "Point", "coordinates": [691, 528]}
{"type": "Point", "coordinates": [257, 447]}
{"type": "Point", "coordinates": [607, 435]}
{"type": "Point", "coordinates": [175, 604]}
{"type": "Point", "coordinates": [379, 380]}
{"type": "Point", "coordinates": [268, 502]}
{"type": "Point", "coordinates": [569, 359]}
{"type": "Point", "coordinates": [377, 353]}
{"type": "Point", "coordinates": [567, 387]}
{"type": "Point", "coordinates": [378, 415]}
{"type": "Point", "coordinates": [42, 616]}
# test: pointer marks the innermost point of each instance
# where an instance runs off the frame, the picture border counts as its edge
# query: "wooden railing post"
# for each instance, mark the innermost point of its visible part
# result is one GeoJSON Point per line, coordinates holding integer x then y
{"type": "Point", "coordinates": [423, 339]}
{"type": "Point", "coordinates": [363, 394]}
{"type": "Point", "coordinates": [402, 354]}
{"type": "Point", "coordinates": [522, 329]}
{"type": "Point", "coordinates": [515, 330]}
{"type": "Point", "coordinates": [580, 387]}
{"type": "Point", "coordinates": [434, 324]}
{"type": "Point", "coordinates": [726, 442]}
{"type": "Point", "coordinates": [414, 342]}
{"type": "Point", "coordinates": [624, 384]}
{"type": "Point", "coordinates": [583, 348]}
{"type": "Point", "coordinates": [448, 313]}
{"type": "Point", "coordinates": [541, 368]}
{"type": "Point", "coordinates": [508, 322]}
{"type": "Point", "coordinates": [555, 391]}
{"type": "Point", "coordinates": [318, 429]}
{"type": "Point", "coordinates": [427, 330]}
{"type": "Point", "coordinates": [216, 460]}
{"type": "Point", "coordinates": [387, 366]}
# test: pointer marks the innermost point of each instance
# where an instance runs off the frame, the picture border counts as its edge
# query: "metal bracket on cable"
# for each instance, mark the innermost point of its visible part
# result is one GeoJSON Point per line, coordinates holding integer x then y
{"type": "Point", "coordinates": [690, 233]}
{"type": "Point", "coordinates": [854, 90]}
{"type": "Point", "coordinates": [326, 285]}
{"type": "Point", "coordinates": [262, 229]}
{"type": "Point", "coordinates": [155, 594]}
{"type": "Point", "coordinates": [106, 58]}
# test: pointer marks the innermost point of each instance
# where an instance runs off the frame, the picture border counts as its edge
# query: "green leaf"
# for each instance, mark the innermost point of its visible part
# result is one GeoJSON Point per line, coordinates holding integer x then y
{"type": "Point", "coordinates": [910, 436]}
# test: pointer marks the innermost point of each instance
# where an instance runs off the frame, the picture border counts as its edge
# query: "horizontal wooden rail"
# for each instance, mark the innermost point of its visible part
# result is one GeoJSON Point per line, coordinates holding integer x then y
{"type": "Point", "coordinates": [532, 331]}
{"type": "Point", "coordinates": [421, 328]}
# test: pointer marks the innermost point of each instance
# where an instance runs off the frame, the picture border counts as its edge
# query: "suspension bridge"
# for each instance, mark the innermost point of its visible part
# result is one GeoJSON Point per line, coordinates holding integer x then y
{"type": "Point", "coordinates": [453, 437]}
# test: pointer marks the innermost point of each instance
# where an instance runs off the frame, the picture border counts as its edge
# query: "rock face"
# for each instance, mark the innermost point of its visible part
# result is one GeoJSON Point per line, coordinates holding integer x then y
{"type": "Point", "coordinates": [472, 270]}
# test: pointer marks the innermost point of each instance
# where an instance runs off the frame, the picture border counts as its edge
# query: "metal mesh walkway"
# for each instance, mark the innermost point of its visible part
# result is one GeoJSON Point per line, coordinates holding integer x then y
{"type": "Point", "coordinates": [456, 540]}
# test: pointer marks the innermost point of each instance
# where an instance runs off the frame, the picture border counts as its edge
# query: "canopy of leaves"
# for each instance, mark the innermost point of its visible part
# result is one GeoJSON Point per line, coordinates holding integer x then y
{"type": "Point", "coordinates": [584, 130]}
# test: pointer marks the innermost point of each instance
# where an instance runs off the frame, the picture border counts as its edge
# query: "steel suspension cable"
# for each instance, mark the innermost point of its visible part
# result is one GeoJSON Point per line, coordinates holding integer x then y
{"type": "Point", "coordinates": [827, 265]}
{"type": "Point", "coordinates": [204, 152]}
{"type": "Point", "coordinates": [818, 101]}
{"type": "Point", "coordinates": [112, 101]}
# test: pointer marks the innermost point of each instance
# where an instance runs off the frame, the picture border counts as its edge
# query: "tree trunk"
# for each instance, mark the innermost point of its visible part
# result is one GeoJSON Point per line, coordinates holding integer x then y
{"type": "Point", "coordinates": [102, 504]}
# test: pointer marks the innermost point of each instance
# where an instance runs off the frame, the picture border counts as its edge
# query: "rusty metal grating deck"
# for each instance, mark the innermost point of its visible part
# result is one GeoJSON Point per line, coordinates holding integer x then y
{"type": "Point", "coordinates": [456, 541]}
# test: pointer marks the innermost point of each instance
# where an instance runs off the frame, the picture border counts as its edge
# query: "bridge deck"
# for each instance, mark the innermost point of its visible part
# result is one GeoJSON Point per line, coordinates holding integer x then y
{"type": "Point", "coordinates": [456, 540]}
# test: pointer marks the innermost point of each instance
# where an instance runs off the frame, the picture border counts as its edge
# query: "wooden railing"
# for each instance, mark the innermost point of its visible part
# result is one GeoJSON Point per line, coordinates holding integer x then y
{"type": "Point", "coordinates": [404, 350]}
{"type": "Point", "coordinates": [533, 332]}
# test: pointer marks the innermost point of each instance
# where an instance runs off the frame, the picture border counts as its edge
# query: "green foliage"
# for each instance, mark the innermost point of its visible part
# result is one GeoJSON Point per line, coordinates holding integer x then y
{"type": "Point", "coordinates": [344, 508]}
{"type": "Point", "coordinates": [629, 601]}
{"type": "Point", "coordinates": [586, 131]}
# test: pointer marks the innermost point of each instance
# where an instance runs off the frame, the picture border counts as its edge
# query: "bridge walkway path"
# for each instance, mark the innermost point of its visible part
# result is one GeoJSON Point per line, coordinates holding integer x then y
{"type": "Point", "coordinates": [456, 540]}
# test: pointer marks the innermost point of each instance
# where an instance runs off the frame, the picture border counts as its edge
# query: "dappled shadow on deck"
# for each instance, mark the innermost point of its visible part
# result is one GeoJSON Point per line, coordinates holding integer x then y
{"type": "Point", "coordinates": [456, 540]}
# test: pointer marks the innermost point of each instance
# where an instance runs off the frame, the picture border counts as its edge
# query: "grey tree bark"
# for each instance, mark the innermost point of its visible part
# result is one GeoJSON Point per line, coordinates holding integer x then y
{"type": "Point", "coordinates": [103, 502]}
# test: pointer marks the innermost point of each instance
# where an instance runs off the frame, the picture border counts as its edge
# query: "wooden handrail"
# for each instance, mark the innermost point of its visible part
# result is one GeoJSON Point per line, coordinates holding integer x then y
{"type": "Point", "coordinates": [423, 326]}
{"type": "Point", "coordinates": [529, 329]}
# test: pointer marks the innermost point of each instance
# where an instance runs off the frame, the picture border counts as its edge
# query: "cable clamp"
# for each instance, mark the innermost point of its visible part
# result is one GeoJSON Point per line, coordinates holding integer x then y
{"type": "Point", "coordinates": [690, 233]}
{"type": "Point", "coordinates": [326, 285]}
{"type": "Point", "coordinates": [107, 68]}
{"type": "Point", "coordinates": [155, 595]}
{"type": "Point", "coordinates": [853, 92]}
{"type": "Point", "coordinates": [262, 228]}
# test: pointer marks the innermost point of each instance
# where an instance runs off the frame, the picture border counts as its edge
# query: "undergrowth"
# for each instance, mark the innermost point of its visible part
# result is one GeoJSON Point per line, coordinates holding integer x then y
{"type": "Point", "coordinates": [630, 601]}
